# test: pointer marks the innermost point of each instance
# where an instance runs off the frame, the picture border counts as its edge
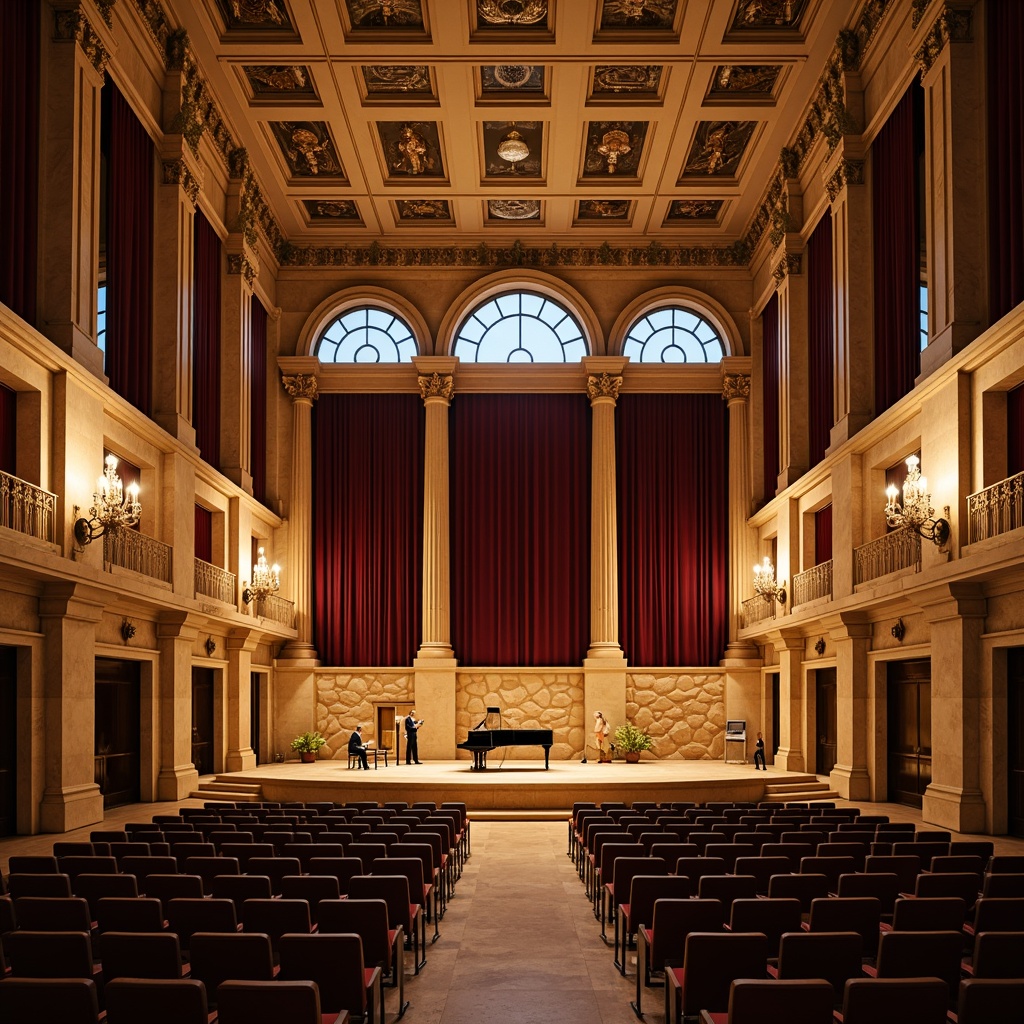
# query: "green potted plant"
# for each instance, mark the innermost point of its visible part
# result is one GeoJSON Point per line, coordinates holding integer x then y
{"type": "Point", "coordinates": [632, 741]}
{"type": "Point", "coordinates": [307, 745]}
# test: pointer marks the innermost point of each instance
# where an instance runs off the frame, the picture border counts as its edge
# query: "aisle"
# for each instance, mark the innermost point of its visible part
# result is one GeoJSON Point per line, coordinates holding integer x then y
{"type": "Point", "coordinates": [519, 944]}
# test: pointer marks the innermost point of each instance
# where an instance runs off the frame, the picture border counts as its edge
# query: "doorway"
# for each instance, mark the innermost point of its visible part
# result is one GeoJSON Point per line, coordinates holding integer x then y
{"type": "Point", "coordinates": [1015, 740]}
{"type": "Point", "coordinates": [390, 734]}
{"type": "Point", "coordinates": [776, 724]}
{"type": "Point", "coordinates": [116, 731]}
{"type": "Point", "coordinates": [202, 720]}
{"type": "Point", "coordinates": [910, 730]}
{"type": "Point", "coordinates": [254, 714]}
{"type": "Point", "coordinates": [825, 699]}
{"type": "Point", "coordinates": [8, 740]}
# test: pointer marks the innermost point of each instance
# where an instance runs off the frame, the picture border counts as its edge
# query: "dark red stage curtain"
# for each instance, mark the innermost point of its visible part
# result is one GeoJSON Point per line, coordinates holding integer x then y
{"type": "Point", "coordinates": [204, 534]}
{"type": "Point", "coordinates": [821, 360]}
{"type": "Point", "coordinates": [1015, 431]}
{"type": "Point", "coordinates": [897, 271]}
{"type": "Point", "coordinates": [258, 400]}
{"type": "Point", "coordinates": [19, 154]}
{"type": "Point", "coordinates": [520, 517]}
{"type": "Point", "coordinates": [8, 430]}
{"type": "Point", "coordinates": [367, 528]}
{"type": "Point", "coordinates": [206, 339]}
{"type": "Point", "coordinates": [1005, 69]}
{"type": "Point", "coordinates": [823, 535]}
{"type": "Point", "coordinates": [673, 511]}
{"type": "Point", "coordinates": [770, 394]}
{"type": "Point", "coordinates": [129, 204]}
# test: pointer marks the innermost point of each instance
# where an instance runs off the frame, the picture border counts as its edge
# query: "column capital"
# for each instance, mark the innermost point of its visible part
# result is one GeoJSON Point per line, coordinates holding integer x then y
{"type": "Point", "coordinates": [845, 172]}
{"type": "Point", "coordinates": [70, 24]}
{"type": "Point", "coordinates": [301, 386]}
{"type": "Point", "coordinates": [788, 263]}
{"type": "Point", "coordinates": [243, 263]}
{"type": "Point", "coordinates": [847, 626]}
{"type": "Point", "coordinates": [177, 171]}
{"type": "Point", "coordinates": [603, 386]}
{"type": "Point", "coordinates": [735, 387]}
{"type": "Point", "coordinates": [954, 24]}
{"type": "Point", "coordinates": [436, 387]}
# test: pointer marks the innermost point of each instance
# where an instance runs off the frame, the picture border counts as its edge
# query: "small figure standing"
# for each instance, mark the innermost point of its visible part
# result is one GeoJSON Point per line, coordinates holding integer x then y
{"type": "Point", "coordinates": [759, 754]}
{"type": "Point", "coordinates": [412, 727]}
{"type": "Point", "coordinates": [601, 730]}
{"type": "Point", "coordinates": [357, 748]}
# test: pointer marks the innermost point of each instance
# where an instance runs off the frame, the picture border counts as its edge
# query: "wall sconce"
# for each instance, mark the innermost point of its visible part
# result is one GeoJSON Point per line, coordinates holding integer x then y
{"type": "Point", "coordinates": [127, 629]}
{"type": "Point", "coordinates": [111, 507]}
{"type": "Point", "coordinates": [765, 584]}
{"type": "Point", "coordinates": [211, 646]}
{"type": "Point", "coordinates": [899, 631]}
{"type": "Point", "coordinates": [819, 646]}
{"type": "Point", "coordinates": [266, 579]}
{"type": "Point", "coordinates": [916, 510]}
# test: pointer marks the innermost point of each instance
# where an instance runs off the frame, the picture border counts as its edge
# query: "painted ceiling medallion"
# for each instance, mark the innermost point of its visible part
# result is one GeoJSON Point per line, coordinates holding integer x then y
{"type": "Point", "coordinates": [331, 209]}
{"type": "Point", "coordinates": [744, 79]}
{"type": "Point", "coordinates": [638, 13]}
{"type": "Point", "coordinates": [289, 80]}
{"type": "Point", "coordinates": [308, 148]}
{"type": "Point", "coordinates": [513, 148]}
{"type": "Point", "coordinates": [512, 12]}
{"type": "Point", "coordinates": [397, 79]}
{"type": "Point", "coordinates": [250, 14]}
{"type": "Point", "coordinates": [762, 14]}
{"type": "Point", "coordinates": [524, 80]}
{"type": "Point", "coordinates": [614, 147]}
{"type": "Point", "coordinates": [603, 209]}
{"type": "Point", "coordinates": [626, 78]}
{"type": "Point", "coordinates": [423, 209]}
{"type": "Point", "coordinates": [513, 209]}
{"type": "Point", "coordinates": [512, 76]}
{"type": "Point", "coordinates": [718, 146]}
{"type": "Point", "coordinates": [694, 209]}
{"type": "Point", "coordinates": [411, 148]}
{"type": "Point", "coordinates": [385, 13]}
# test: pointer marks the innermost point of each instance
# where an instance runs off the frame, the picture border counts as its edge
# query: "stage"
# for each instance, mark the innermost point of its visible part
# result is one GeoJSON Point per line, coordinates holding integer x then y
{"type": "Point", "coordinates": [515, 787]}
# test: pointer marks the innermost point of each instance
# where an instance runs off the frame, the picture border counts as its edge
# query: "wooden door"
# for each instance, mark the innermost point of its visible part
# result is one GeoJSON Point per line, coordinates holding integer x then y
{"type": "Point", "coordinates": [1015, 740]}
{"type": "Point", "coordinates": [910, 730]}
{"type": "Point", "coordinates": [202, 720]}
{"type": "Point", "coordinates": [117, 728]}
{"type": "Point", "coordinates": [8, 741]}
{"type": "Point", "coordinates": [825, 685]}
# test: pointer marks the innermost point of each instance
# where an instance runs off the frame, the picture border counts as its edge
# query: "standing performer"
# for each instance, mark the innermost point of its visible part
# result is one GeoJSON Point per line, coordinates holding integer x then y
{"type": "Point", "coordinates": [601, 730]}
{"type": "Point", "coordinates": [759, 754]}
{"type": "Point", "coordinates": [412, 727]}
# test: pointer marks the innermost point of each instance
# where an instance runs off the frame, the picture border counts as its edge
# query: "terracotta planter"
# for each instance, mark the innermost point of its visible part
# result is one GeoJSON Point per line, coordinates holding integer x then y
{"type": "Point", "coordinates": [632, 756]}
{"type": "Point", "coordinates": [307, 757]}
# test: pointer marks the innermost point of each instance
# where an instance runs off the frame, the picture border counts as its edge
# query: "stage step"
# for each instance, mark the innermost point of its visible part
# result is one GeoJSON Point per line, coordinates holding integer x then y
{"type": "Point", "coordinates": [797, 790]}
{"type": "Point", "coordinates": [219, 787]}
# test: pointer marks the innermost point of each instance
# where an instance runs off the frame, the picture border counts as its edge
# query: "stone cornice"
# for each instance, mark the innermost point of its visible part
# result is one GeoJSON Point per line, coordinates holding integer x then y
{"type": "Point", "coordinates": [253, 209]}
{"type": "Point", "coordinates": [300, 386]}
{"type": "Point", "coordinates": [106, 7]}
{"type": "Point", "coordinates": [954, 24]}
{"type": "Point", "coordinates": [436, 385]}
{"type": "Point", "coordinates": [790, 263]}
{"type": "Point", "coordinates": [71, 23]}
{"type": "Point", "coordinates": [604, 385]}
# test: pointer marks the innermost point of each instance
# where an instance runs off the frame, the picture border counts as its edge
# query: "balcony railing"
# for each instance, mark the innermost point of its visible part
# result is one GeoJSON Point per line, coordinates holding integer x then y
{"type": "Point", "coordinates": [213, 581]}
{"type": "Point", "coordinates": [900, 549]}
{"type": "Point", "coordinates": [27, 508]}
{"type": "Point", "coordinates": [278, 609]}
{"type": "Point", "coordinates": [132, 550]}
{"type": "Point", "coordinates": [814, 583]}
{"type": "Point", "coordinates": [997, 509]}
{"type": "Point", "coordinates": [757, 609]}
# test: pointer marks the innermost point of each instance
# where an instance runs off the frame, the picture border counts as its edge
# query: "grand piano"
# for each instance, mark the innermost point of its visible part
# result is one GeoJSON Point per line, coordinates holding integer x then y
{"type": "Point", "coordinates": [482, 739]}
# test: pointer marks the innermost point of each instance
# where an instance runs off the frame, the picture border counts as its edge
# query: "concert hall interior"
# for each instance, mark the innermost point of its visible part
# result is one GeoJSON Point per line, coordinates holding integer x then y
{"type": "Point", "coordinates": [417, 378]}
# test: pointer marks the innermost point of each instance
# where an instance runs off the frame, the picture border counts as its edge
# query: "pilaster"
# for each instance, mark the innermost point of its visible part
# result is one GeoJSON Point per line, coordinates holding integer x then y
{"type": "Point", "coordinates": [179, 520]}
{"type": "Point", "coordinates": [852, 638]}
{"type": "Point", "coordinates": [792, 701]}
{"type": "Point", "coordinates": [241, 642]}
{"type": "Point", "coordinates": [176, 633]}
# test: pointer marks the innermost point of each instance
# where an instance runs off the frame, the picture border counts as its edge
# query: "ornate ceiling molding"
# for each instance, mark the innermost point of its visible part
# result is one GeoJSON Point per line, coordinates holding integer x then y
{"type": "Point", "coordinates": [71, 23]}
{"type": "Point", "coordinates": [436, 385]}
{"type": "Point", "coordinates": [106, 9]}
{"type": "Point", "coordinates": [735, 385]}
{"type": "Point", "coordinates": [791, 263]}
{"type": "Point", "coordinates": [954, 24]}
{"type": "Point", "coordinates": [239, 263]}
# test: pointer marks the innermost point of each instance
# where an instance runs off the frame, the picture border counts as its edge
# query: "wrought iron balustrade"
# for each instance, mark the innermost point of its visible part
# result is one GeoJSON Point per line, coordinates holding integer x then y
{"type": "Point", "coordinates": [757, 609]}
{"type": "Point", "coordinates": [814, 583]}
{"type": "Point", "coordinates": [27, 508]}
{"type": "Point", "coordinates": [133, 550]}
{"type": "Point", "coordinates": [277, 608]}
{"type": "Point", "coordinates": [213, 581]}
{"type": "Point", "coordinates": [995, 510]}
{"type": "Point", "coordinates": [900, 549]}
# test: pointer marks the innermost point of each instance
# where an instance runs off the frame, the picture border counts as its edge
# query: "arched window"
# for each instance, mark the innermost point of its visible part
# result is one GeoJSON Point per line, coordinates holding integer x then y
{"type": "Point", "coordinates": [366, 334]}
{"type": "Point", "coordinates": [520, 327]}
{"type": "Point", "coordinates": [673, 334]}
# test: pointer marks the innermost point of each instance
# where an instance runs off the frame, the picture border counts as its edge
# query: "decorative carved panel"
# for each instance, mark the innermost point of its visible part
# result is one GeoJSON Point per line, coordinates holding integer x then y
{"type": "Point", "coordinates": [629, 82]}
{"type": "Point", "coordinates": [513, 139]}
{"type": "Point", "coordinates": [322, 211]}
{"type": "Point", "coordinates": [603, 210]}
{"type": "Point", "coordinates": [411, 149]}
{"type": "Point", "coordinates": [513, 209]}
{"type": "Point", "coordinates": [291, 83]}
{"type": "Point", "coordinates": [718, 147]}
{"type": "Point", "coordinates": [398, 81]}
{"type": "Point", "coordinates": [614, 148]}
{"type": "Point", "coordinates": [387, 14]}
{"type": "Point", "coordinates": [732, 82]}
{"type": "Point", "coordinates": [424, 210]}
{"type": "Point", "coordinates": [518, 81]}
{"type": "Point", "coordinates": [689, 211]}
{"type": "Point", "coordinates": [638, 14]}
{"type": "Point", "coordinates": [308, 149]}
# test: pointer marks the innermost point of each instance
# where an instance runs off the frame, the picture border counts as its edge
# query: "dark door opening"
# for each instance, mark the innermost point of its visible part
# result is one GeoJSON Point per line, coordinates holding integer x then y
{"type": "Point", "coordinates": [773, 741]}
{"type": "Point", "coordinates": [8, 740]}
{"type": "Point", "coordinates": [910, 730]}
{"type": "Point", "coordinates": [1015, 740]}
{"type": "Point", "coordinates": [202, 720]}
{"type": "Point", "coordinates": [825, 686]}
{"type": "Point", "coordinates": [117, 731]}
{"type": "Point", "coordinates": [254, 714]}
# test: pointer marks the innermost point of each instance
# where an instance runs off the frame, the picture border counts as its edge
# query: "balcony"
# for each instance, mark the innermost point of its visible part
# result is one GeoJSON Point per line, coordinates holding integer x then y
{"type": "Point", "coordinates": [995, 510]}
{"type": "Point", "coordinates": [278, 609]}
{"type": "Point", "coordinates": [812, 584]}
{"type": "Point", "coordinates": [27, 509]}
{"type": "Point", "coordinates": [757, 609]}
{"type": "Point", "coordinates": [135, 551]}
{"type": "Point", "coordinates": [900, 549]}
{"type": "Point", "coordinates": [213, 581]}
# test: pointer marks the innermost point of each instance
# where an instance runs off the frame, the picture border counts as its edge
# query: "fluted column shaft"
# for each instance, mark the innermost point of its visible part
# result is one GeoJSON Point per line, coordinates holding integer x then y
{"type": "Point", "coordinates": [742, 555]}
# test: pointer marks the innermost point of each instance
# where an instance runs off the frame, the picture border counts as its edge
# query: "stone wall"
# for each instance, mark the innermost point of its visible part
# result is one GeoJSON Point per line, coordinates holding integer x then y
{"type": "Point", "coordinates": [683, 712]}
{"type": "Point", "coordinates": [540, 700]}
{"type": "Point", "coordinates": [345, 700]}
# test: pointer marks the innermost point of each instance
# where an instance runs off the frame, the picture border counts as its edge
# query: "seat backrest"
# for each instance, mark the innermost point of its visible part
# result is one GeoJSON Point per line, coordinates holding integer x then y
{"type": "Point", "coordinates": [334, 962]}
{"type": "Point", "coordinates": [393, 889]}
{"type": "Point", "coordinates": [998, 955]}
{"type": "Point", "coordinates": [311, 888]}
{"type": "Point", "coordinates": [410, 867]}
{"type": "Point", "coordinates": [998, 914]}
{"type": "Point", "coordinates": [929, 914]}
{"type": "Point", "coordinates": [1006, 885]}
{"type": "Point", "coordinates": [834, 956]}
{"type": "Point", "coordinates": [983, 1000]}
{"type": "Point", "coordinates": [140, 955]}
{"type": "Point", "coordinates": [129, 914]}
{"type": "Point", "coordinates": [37, 864]}
{"type": "Point", "coordinates": [143, 867]}
{"type": "Point", "coordinates": [54, 914]}
{"type": "Point", "coordinates": [895, 1001]}
{"type": "Point", "coordinates": [712, 961]}
{"type": "Point", "coordinates": [156, 1001]}
{"type": "Point", "coordinates": [805, 888]}
{"type": "Point", "coordinates": [861, 914]}
{"type": "Point", "coordinates": [215, 957]}
{"type": "Point", "coordinates": [69, 1000]}
{"type": "Point", "coordinates": [964, 884]}
{"type": "Point", "coordinates": [905, 867]}
{"type": "Point", "coordinates": [93, 888]}
{"type": "Point", "coordinates": [695, 868]}
{"type": "Point", "coordinates": [924, 850]}
{"type": "Point", "coordinates": [762, 869]}
{"type": "Point", "coordinates": [268, 1002]}
{"type": "Point", "coordinates": [1000, 863]}
{"type": "Point", "coordinates": [727, 888]}
{"type": "Point", "coordinates": [50, 954]}
{"type": "Point", "coordinates": [239, 888]}
{"type": "Point", "coordinates": [673, 920]}
{"type": "Point", "coordinates": [772, 917]}
{"type": "Point", "coordinates": [274, 917]}
{"type": "Point", "coordinates": [21, 884]}
{"type": "Point", "coordinates": [754, 1001]}
{"type": "Point", "coordinates": [884, 886]}
{"type": "Point", "coordinates": [366, 918]}
{"type": "Point", "coordinates": [169, 887]}
{"type": "Point", "coordinates": [341, 868]}
{"type": "Point", "coordinates": [188, 916]}
{"type": "Point", "coordinates": [275, 868]}
{"type": "Point", "coordinates": [645, 889]}
{"type": "Point", "coordinates": [921, 954]}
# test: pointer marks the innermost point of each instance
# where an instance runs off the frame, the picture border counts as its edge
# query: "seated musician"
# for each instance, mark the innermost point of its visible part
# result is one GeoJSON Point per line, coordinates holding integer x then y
{"type": "Point", "coordinates": [357, 748]}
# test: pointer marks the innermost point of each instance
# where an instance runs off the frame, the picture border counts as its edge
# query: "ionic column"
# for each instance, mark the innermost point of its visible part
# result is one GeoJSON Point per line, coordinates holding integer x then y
{"type": "Point", "coordinates": [437, 389]}
{"type": "Point", "coordinates": [303, 391]}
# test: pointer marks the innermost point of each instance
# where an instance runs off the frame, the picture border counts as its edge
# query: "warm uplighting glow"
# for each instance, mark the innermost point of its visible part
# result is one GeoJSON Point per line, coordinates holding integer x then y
{"type": "Point", "coordinates": [112, 508]}
{"type": "Point", "coordinates": [266, 579]}
{"type": "Point", "coordinates": [764, 582]}
{"type": "Point", "coordinates": [916, 510]}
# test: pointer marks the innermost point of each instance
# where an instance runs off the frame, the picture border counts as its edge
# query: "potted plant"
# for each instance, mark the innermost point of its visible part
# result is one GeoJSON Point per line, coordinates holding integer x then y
{"type": "Point", "coordinates": [308, 744]}
{"type": "Point", "coordinates": [631, 741]}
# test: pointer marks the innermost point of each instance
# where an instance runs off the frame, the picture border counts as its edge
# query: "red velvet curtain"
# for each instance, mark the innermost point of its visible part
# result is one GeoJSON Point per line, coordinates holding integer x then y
{"type": "Point", "coordinates": [1015, 431]}
{"type": "Point", "coordinates": [821, 360]}
{"type": "Point", "coordinates": [823, 535]}
{"type": "Point", "coordinates": [258, 400]}
{"type": "Point", "coordinates": [770, 394]}
{"type": "Point", "coordinates": [206, 339]}
{"type": "Point", "coordinates": [204, 534]}
{"type": "Point", "coordinates": [894, 199]}
{"type": "Point", "coordinates": [673, 512]}
{"type": "Point", "coordinates": [8, 430]}
{"type": "Point", "coordinates": [520, 517]}
{"type": "Point", "coordinates": [19, 154]}
{"type": "Point", "coordinates": [367, 528]}
{"type": "Point", "coordinates": [129, 250]}
{"type": "Point", "coordinates": [1005, 69]}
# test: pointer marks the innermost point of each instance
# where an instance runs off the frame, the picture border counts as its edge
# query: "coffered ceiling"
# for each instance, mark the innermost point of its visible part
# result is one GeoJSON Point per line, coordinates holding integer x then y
{"type": "Point", "coordinates": [436, 122]}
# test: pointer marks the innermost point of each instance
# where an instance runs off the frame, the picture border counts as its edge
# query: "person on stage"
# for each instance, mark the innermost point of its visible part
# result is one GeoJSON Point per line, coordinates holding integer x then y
{"type": "Point", "coordinates": [412, 727]}
{"type": "Point", "coordinates": [357, 748]}
{"type": "Point", "coordinates": [601, 730]}
{"type": "Point", "coordinates": [759, 754]}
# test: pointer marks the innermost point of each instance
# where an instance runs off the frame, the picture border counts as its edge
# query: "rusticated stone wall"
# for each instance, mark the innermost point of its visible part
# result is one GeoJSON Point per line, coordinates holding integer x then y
{"type": "Point", "coordinates": [541, 700]}
{"type": "Point", "coordinates": [345, 700]}
{"type": "Point", "coordinates": [683, 712]}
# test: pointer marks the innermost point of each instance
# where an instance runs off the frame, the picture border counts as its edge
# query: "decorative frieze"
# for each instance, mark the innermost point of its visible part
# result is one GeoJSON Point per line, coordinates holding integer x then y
{"type": "Point", "coordinates": [604, 385]}
{"type": "Point", "coordinates": [735, 385]}
{"type": "Point", "coordinates": [300, 386]}
{"type": "Point", "coordinates": [71, 24]}
{"type": "Point", "coordinates": [177, 172]}
{"type": "Point", "coordinates": [954, 24]}
{"type": "Point", "coordinates": [239, 263]}
{"type": "Point", "coordinates": [436, 385]}
{"type": "Point", "coordinates": [917, 15]}
{"type": "Point", "coordinates": [849, 172]}
{"type": "Point", "coordinates": [106, 8]}
{"type": "Point", "coordinates": [791, 263]}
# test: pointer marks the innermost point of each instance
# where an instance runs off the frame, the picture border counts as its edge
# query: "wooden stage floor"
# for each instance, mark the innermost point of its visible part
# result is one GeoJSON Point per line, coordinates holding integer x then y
{"type": "Point", "coordinates": [515, 786]}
